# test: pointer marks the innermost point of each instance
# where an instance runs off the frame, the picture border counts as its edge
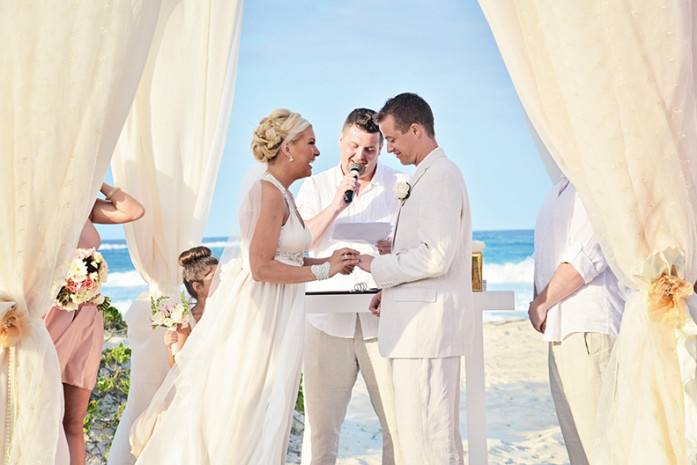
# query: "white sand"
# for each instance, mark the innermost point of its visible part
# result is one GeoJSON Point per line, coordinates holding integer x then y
{"type": "Point", "coordinates": [522, 428]}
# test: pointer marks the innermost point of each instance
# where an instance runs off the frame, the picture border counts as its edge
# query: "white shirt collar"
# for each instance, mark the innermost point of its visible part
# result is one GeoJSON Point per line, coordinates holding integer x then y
{"type": "Point", "coordinates": [562, 185]}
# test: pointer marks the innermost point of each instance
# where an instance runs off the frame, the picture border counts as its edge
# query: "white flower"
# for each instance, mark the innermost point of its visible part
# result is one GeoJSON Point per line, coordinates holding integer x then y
{"type": "Point", "coordinates": [402, 190]}
{"type": "Point", "coordinates": [178, 314]}
{"type": "Point", "coordinates": [168, 312]}
{"type": "Point", "coordinates": [77, 270]}
{"type": "Point", "coordinates": [158, 319]}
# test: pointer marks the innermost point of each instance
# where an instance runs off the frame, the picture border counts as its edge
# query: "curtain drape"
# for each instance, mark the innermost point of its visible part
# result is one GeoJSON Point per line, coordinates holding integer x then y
{"type": "Point", "coordinates": [68, 78]}
{"type": "Point", "coordinates": [168, 157]}
{"type": "Point", "coordinates": [610, 87]}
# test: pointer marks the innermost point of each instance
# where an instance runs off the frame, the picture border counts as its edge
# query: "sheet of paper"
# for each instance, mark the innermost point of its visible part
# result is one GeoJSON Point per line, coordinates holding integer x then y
{"type": "Point", "coordinates": [362, 232]}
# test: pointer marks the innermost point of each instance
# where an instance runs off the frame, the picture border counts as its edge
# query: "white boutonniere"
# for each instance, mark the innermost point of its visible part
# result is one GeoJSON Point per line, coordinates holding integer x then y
{"type": "Point", "coordinates": [402, 190]}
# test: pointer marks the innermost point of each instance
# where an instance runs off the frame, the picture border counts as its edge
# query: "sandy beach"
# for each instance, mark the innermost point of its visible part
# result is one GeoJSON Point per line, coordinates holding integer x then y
{"type": "Point", "coordinates": [522, 427]}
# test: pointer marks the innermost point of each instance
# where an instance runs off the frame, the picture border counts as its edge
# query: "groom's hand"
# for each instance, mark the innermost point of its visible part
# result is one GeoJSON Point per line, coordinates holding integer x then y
{"type": "Point", "coordinates": [375, 304]}
{"type": "Point", "coordinates": [538, 316]}
{"type": "Point", "coordinates": [365, 262]}
{"type": "Point", "coordinates": [384, 246]}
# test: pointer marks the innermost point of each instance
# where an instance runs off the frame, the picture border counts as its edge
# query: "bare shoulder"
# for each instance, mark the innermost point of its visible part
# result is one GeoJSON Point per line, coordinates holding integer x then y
{"type": "Point", "coordinates": [272, 200]}
{"type": "Point", "coordinates": [269, 191]}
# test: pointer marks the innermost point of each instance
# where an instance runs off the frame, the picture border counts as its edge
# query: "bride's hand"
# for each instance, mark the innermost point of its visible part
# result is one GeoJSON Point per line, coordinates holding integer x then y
{"type": "Point", "coordinates": [343, 261]}
{"type": "Point", "coordinates": [365, 262]}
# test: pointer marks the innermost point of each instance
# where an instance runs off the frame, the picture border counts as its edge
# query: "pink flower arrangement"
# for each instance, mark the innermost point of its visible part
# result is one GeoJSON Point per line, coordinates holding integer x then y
{"type": "Point", "coordinates": [87, 272]}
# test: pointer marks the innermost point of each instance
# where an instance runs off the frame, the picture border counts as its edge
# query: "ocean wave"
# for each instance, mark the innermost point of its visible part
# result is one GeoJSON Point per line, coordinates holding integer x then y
{"type": "Point", "coordinates": [212, 245]}
{"type": "Point", "coordinates": [124, 279]}
{"type": "Point", "coordinates": [108, 246]}
{"type": "Point", "coordinates": [220, 244]}
{"type": "Point", "coordinates": [510, 272]}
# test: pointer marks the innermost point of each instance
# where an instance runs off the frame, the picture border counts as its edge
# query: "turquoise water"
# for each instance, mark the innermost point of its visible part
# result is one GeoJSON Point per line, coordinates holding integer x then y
{"type": "Point", "coordinates": [507, 266]}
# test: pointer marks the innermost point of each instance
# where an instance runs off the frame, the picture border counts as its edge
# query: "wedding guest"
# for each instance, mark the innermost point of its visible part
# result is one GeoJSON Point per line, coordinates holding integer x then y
{"type": "Point", "coordinates": [578, 306]}
{"type": "Point", "coordinates": [339, 346]}
{"type": "Point", "coordinates": [79, 335]}
{"type": "Point", "coordinates": [199, 267]}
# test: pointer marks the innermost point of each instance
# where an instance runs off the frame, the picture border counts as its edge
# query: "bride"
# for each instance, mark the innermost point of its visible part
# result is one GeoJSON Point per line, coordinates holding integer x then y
{"type": "Point", "coordinates": [229, 398]}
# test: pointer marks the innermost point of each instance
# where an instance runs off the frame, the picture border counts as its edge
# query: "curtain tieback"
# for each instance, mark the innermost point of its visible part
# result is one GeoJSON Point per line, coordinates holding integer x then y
{"type": "Point", "coordinates": [667, 289]}
{"type": "Point", "coordinates": [14, 325]}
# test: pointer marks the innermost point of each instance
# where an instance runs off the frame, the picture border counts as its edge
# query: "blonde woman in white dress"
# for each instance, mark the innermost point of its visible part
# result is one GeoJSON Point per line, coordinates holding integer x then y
{"type": "Point", "coordinates": [236, 379]}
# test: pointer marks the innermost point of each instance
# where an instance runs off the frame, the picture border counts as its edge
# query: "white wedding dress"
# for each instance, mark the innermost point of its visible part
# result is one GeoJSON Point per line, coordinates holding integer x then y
{"type": "Point", "coordinates": [230, 397]}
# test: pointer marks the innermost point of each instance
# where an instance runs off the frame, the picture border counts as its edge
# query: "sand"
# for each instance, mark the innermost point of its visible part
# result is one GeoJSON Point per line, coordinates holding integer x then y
{"type": "Point", "coordinates": [522, 428]}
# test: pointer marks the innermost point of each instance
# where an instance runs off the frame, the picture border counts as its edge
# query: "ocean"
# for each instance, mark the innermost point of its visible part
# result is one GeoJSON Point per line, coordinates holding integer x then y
{"type": "Point", "coordinates": [508, 265]}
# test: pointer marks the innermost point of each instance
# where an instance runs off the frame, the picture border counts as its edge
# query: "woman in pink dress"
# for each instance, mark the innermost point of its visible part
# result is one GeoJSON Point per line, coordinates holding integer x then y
{"type": "Point", "coordinates": [79, 335]}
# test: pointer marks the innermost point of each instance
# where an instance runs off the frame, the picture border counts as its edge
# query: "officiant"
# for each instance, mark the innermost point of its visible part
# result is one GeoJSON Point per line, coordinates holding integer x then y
{"type": "Point", "coordinates": [338, 346]}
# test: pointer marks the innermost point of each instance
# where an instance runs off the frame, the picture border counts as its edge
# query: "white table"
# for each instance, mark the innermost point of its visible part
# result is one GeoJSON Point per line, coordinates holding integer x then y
{"type": "Point", "coordinates": [474, 362]}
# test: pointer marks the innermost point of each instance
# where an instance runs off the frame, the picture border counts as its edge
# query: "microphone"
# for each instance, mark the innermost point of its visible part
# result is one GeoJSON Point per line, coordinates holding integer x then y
{"type": "Point", "coordinates": [355, 170]}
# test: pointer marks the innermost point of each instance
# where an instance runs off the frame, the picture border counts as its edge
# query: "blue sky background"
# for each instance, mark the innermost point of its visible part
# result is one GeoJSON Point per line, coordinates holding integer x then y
{"type": "Point", "coordinates": [324, 58]}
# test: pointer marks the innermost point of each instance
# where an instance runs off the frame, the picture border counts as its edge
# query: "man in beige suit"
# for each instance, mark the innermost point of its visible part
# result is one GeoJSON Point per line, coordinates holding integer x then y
{"type": "Point", "coordinates": [425, 306]}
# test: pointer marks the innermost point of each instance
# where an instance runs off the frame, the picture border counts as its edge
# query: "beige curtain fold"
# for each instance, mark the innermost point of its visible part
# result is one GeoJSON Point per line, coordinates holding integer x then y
{"type": "Point", "coordinates": [68, 78]}
{"type": "Point", "coordinates": [168, 158]}
{"type": "Point", "coordinates": [609, 87]}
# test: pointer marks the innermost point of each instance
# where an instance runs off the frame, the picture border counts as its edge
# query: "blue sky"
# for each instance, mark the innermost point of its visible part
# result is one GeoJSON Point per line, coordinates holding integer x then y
{"type": "Point", "coordinates": [324, 58]}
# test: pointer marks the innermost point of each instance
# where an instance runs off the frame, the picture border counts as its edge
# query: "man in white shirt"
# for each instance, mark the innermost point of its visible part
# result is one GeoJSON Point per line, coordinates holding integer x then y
{"type": "Point", "coordinates": [338, 346]}
{"type": "Point", "coordinates": [578, 307]}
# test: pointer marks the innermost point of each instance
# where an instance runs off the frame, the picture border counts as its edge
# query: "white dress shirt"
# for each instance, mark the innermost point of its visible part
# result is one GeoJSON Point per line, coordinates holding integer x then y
{"type": "Point", "coordinates": [376, 202]}
{"type": "Point", "coordinates": [563, 234]}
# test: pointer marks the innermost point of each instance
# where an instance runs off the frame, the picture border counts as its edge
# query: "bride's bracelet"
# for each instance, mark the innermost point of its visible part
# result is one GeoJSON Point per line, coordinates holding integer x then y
{"type": "Point", "coordinates": [321, 272]}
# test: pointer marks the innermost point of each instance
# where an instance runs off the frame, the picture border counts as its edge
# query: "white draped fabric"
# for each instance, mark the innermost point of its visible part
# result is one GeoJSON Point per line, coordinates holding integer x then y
{"type": "Point", "coordinates": [168, 157]}
{"type": "Point", "coordinates": [68, 78]}
{"type": "Point", "coordinates": [610, 89]}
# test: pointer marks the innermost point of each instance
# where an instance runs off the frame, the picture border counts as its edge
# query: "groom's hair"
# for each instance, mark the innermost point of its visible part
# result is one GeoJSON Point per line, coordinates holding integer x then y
{"type": "Point", "coordinates": [364, 118]}
{"type": "Point", "coordinates": [407, 109]}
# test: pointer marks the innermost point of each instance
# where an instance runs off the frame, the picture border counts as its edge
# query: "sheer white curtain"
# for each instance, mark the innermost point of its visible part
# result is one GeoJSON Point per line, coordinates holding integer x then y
{"type": "Point", "coordinates": [610, 89]}
{"type": "Point", "coordinates": [168, 157]}
{"type": "Point", "coordinates": [68, 78]}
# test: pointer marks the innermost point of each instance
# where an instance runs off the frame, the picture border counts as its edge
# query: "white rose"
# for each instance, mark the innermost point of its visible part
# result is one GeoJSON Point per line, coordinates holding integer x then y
{"type": "Point", "coordinates": [158, 319]}
{"type": "Point", "coordinates": [402, 190]}
{"type": "Point", "coordinates": [77, 270]}
{"type": "Point", "coordinates": [178, 314]}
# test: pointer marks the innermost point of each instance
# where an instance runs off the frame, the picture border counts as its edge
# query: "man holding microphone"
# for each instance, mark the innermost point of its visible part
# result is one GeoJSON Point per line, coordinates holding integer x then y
{"type": "Point", "coordinates": [339, 345]}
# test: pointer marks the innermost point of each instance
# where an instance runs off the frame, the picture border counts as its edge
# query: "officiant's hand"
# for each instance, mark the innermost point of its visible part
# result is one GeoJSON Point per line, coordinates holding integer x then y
{"type": "Point", "coordinates": [349, 183]}
{"type": "Point", "coordinates": [384, 247]}
{"type": "Point", "coordinates": [343, 261]}
{"type": "Point", "coordinates": [365, 262]}
{"type": "Point", "coordinates": [538, 316]}
{"type": "Point", "coordinates": [375, 304]}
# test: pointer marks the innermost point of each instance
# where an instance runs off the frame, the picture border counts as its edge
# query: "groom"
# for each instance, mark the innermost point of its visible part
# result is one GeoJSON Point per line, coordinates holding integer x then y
{"type": "Point", "coordinates": [425, 306]}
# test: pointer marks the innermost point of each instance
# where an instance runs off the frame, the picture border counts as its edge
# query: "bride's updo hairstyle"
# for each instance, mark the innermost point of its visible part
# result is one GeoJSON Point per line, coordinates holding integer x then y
{"type": "Point", "coordinates": [281, 126]}
{"type": "Point", "coordinates": [196, 263]}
